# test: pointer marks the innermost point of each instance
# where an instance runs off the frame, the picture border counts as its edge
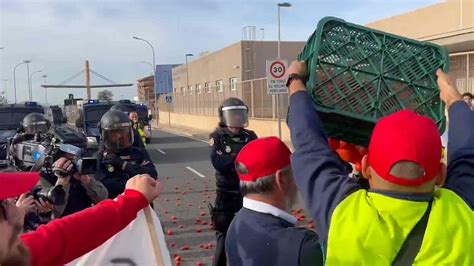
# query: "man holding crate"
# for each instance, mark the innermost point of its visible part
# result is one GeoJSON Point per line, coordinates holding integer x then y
{"type": "Point", "coordinates": [403, 219]}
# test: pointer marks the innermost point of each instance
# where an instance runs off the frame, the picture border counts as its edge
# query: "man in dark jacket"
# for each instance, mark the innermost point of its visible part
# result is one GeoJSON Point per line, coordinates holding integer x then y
{"type": "Point", "coordinates": [225, 143]}
{"type": "Point", "coordinates": [263, 232]}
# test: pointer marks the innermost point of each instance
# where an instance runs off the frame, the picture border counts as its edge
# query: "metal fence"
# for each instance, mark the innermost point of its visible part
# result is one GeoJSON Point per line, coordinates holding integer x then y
{"type": "Point", "coordinates": [461, 70]}
{"type": "Point", "coordinates": [206, 100]}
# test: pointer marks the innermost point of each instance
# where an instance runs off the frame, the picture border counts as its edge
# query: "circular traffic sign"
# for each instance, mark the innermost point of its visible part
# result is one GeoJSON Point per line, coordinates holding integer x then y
{"type": "Point", "coordinates": [277, 69]}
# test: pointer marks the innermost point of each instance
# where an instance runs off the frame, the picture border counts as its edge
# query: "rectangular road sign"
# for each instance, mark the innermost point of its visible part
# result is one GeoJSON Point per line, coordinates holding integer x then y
{"type": "Point", "coordinates": [276, 76]}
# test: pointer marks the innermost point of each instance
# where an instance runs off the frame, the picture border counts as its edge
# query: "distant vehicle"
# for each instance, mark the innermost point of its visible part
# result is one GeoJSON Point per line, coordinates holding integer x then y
{"type": "Point", "coordinates": [55, 114]}
{"type": "Point", "coordinates": [89, 118]}
{"type": "Point", "coordinates": [11, 116]}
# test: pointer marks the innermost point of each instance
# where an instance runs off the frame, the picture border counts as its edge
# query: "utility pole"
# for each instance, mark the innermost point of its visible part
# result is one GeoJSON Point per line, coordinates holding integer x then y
{"type": "Point", "coordinates": [88, 80]}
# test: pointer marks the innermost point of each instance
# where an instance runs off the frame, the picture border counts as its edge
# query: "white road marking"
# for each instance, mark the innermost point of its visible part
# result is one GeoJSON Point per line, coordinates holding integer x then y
{"type": "Point", "coordinates": [196, 172]}
{"type": "Point", "coordinates": [181, 134]}
{"type": "Point", "coordinates": [161, 151]}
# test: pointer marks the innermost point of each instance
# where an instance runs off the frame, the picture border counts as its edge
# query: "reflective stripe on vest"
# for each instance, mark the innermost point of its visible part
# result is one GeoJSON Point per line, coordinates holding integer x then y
{"type": "Point", "coordinates": [368, 228]}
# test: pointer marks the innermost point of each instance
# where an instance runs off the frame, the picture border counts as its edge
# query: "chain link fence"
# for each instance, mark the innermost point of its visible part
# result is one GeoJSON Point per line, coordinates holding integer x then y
{"type": "Point", "coordinates": [206, 100]}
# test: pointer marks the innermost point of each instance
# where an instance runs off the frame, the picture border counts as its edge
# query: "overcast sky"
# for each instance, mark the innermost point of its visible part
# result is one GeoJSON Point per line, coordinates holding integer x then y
{"type": "Point", "coordinates": [58, 36]}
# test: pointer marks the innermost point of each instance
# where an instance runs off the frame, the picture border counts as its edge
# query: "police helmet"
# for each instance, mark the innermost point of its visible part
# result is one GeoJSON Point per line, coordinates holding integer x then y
{"type": "Point", "coordinates": [123, 108]}
{"type": "Point", "coordinates": [116, 130]}
{"type": "Point", "coordinates": [233, 113]}
{"type": "Point", "coordinates": [35, 123]}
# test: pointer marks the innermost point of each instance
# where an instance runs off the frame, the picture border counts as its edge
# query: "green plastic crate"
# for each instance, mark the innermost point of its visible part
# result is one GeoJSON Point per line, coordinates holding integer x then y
{"type": "Point", "coordinates": [358, 75]}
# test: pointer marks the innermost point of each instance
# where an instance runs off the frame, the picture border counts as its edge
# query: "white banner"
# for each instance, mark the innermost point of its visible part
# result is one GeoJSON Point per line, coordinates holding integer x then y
{"type": "Point", "coordinates": [142, 242]}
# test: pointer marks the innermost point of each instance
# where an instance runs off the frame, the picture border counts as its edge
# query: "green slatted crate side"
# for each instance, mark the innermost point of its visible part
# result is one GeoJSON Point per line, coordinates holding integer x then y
{"type": "Point", "coordinates": [358, 75]}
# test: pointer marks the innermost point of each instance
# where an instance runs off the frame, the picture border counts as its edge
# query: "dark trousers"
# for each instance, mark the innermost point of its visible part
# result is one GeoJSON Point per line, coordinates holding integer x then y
{"type": "Point", "coordinates": [219, 255]}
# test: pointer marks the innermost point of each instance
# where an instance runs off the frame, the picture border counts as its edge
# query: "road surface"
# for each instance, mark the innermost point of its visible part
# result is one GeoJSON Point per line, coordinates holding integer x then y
{"type": "Point", "coordinates": [189, 186]}
{"type": "Point", "coordinates": [188, 178]}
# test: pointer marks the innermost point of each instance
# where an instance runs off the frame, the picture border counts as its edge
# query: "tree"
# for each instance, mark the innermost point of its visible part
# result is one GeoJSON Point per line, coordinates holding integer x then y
{"type": "Point", "coordinates": [105, 95]}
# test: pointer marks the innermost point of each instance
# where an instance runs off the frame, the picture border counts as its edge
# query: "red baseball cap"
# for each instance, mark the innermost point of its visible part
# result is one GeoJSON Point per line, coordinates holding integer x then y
{"type": "Point", "coordinates": [262, 157]}
{"type": "Point", "coordinates": [405, 136]}
{"type": "Point", "coordinates": [15, 184]}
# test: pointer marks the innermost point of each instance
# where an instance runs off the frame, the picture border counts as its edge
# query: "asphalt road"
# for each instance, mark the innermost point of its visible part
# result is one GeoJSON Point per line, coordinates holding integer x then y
{"type": "Point", "coordinates": [189, 186]}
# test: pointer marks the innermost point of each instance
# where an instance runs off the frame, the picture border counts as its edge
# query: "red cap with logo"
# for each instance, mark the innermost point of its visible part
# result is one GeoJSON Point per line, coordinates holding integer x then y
{"type": "Point", "coordinates": [15, 184]}
{"type": "Point", "coordinates": [405, 136]}
{"type": "Point", "coordinates": [262, 157]}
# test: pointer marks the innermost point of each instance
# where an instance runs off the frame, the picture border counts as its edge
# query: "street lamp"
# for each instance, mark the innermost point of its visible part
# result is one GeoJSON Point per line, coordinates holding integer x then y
{"type": "Point", "coordinates": [187, 76]}
{"type": "Point", "coordinates": [280, 5]}
{"type": "Point", "coordinates": [31, 83]}
{"type": "Point", "coordinates": [14, 74]}
{"type": "Point", "coordinates": [285, 4]}
{"type": "Point", "coordinates": [147, 63]}
{"type": "Point", "coordinates": [154, 66]}
{"type": "Point", "coordinates": [45, 89]}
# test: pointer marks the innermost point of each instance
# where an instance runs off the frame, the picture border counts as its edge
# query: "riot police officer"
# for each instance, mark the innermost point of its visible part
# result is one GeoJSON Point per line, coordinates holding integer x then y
{"type": "Point", "coordinates": [118, 159]}
{"type": "Point", "coordinates": [35, 123]}
{"type": "Point", "coordinates": [137, 140]}
{"type": "Point", "coordinates": [32, 126]}
{"type": "Point", "coordinates": [225, 143]}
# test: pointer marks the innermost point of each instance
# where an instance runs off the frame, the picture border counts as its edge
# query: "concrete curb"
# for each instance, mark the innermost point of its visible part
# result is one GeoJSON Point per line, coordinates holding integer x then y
{"type": "Point", "coordinates": [177, 131]}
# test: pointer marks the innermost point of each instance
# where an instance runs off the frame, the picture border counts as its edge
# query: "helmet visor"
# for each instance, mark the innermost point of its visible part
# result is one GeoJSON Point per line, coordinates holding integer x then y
{"type": "Point", "coordinates": [119, 138]}
{"type": "Point", "coordinates": [235, 116]}
{"type": "Point", "coordinates": [39, 127]}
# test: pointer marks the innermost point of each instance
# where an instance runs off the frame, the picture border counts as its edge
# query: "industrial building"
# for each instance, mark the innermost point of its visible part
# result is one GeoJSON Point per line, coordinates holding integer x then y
{"type": "Point", "coordinates": [239, 70]}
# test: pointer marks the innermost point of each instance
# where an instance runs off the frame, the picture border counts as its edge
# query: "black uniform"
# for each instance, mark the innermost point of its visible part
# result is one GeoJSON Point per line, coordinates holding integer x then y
{"type": "Point", "coordinates": [118, 160]}
{"type": "Point", "coordinates": [224, 147]}
{"type": "Point", "coordinates": [111, 174]}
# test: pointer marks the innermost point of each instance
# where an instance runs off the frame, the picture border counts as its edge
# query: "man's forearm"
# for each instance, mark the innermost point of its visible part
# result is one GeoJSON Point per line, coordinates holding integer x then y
{"type": "Point", "coordinates": [95, 190]}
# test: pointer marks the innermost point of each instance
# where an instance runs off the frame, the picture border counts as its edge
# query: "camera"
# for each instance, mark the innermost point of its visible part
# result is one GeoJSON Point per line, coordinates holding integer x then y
{"type": "Point", "coordinates": [55, 195]}
{"type": "Point", "coordinates": [82, 165]}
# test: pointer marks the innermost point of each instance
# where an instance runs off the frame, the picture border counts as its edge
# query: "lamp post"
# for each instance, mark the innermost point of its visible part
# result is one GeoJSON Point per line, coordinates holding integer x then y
{"type": "Point", "coordinates": [187, 75]}
{"type": "Point", "coordinates": [14, 74]}
{"type": "Point", "coordinates": [31, 83]}
{"type": "Point", "coordinates": [45, 89]}
{"type": "Point", "coordinates": [147, 63]}
{"type": "Point", "coordinates": [280, 5]}
{"type": "Point", "coordinates": [154, 70]}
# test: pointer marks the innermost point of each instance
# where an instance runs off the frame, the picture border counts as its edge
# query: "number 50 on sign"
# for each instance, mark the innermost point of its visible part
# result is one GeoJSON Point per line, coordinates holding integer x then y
{"type": "Point", "coordinates": [276, 77]}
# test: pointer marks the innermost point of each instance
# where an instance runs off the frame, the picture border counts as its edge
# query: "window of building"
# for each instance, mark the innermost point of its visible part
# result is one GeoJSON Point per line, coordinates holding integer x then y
{"type": "Point", "coordinates": [183, 90]}
{"type": "Point", "coordinates": [190, 89]}
{"type": "Point", "coordinates": [175, 90]}
{"type": "Point", "coordinates": [233, 84]}
{"type": "Point", "coordinates": [198, 89]}
{"type": "Point", "coordinates": [219, 86]}
{"type": "Point", "coordinates": [207, 87]}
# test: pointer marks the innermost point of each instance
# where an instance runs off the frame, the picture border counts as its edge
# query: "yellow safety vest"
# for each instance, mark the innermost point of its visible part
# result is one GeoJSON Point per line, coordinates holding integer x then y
{"type": "Point", "coordinates": [368, 228]}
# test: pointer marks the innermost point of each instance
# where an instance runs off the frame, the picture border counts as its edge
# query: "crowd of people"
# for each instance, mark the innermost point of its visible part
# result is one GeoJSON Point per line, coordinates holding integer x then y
{"type": "Point", "coordinates": [415, 210]}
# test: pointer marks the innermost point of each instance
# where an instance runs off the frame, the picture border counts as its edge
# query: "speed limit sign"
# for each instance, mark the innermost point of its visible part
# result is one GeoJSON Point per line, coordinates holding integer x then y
{"type": "Point", "coordinates": [276, 77]}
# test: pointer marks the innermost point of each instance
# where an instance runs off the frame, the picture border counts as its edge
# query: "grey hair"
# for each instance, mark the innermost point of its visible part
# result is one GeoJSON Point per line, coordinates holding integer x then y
{"type": "Point", "coordinates": [263, 184]}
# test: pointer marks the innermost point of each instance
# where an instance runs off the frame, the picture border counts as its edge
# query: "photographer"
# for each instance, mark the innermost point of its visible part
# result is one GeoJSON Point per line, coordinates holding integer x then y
{"type": "Point", "coordinates": [81, 191]}
{"type": "Point", "coordinates": [68, 238]}
{"type": "Point", "coordinates": [36, 212]}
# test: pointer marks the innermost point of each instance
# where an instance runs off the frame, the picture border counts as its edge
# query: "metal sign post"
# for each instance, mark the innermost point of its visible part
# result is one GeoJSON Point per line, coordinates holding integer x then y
{"type": "Point", "coordinates": [276, 83]}
{"type": "Point", "coordinates": [169, 100]}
